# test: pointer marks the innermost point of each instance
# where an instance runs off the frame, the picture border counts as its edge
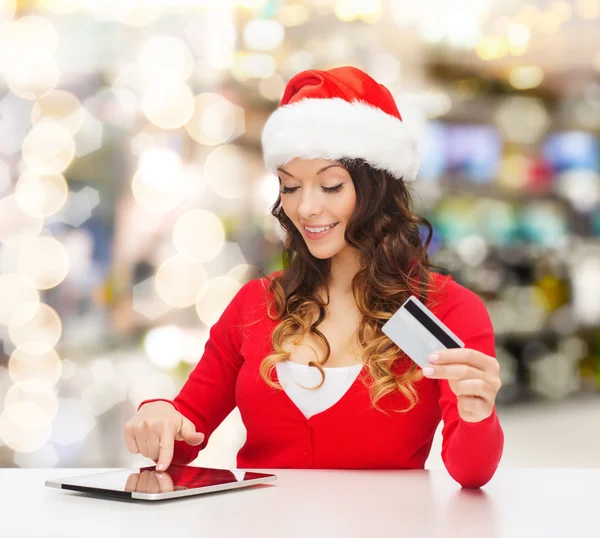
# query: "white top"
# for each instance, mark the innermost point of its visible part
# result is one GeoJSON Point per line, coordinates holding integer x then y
{"type": "Point", "coordinates": [517, 502]}
{"type": "Point", "coordinates": [298, 379]}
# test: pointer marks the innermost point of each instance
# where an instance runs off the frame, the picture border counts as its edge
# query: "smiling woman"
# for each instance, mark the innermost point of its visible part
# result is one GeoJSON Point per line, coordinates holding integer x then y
{"type": "Point", "coordinates": [363, 242]}
{"type": "Point", "coordinates": [301, 352]}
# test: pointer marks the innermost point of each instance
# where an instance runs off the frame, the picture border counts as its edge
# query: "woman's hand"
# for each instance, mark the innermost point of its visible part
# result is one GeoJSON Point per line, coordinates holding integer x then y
{"type": "Point", "coordinates": [473, 376]}
{"type": "Point", "coordinates": [154, 429]}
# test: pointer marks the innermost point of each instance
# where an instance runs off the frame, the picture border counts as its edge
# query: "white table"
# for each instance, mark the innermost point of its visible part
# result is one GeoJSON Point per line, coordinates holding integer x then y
{"type": "Point", "coordinates": [310, 504]}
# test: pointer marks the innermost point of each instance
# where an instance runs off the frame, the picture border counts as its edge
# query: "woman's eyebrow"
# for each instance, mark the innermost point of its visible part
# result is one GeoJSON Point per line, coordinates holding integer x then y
{"type": "Point", "coordinates": [319, 172]}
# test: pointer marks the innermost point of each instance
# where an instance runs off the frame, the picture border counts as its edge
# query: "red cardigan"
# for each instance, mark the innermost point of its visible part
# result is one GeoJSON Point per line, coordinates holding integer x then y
{"type": "Point", "coordinates": [351, 434]}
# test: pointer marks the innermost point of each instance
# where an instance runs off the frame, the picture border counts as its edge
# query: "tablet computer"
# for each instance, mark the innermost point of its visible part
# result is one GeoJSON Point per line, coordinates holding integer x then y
{"type": "Point", "coordinates": [148, 484]}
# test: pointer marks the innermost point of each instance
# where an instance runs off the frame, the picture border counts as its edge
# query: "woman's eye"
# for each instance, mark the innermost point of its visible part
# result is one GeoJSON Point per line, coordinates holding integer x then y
{"type": "Point", "coordinates": [287, 190]}
{"type": "Point", "coordinates": [337, 188]}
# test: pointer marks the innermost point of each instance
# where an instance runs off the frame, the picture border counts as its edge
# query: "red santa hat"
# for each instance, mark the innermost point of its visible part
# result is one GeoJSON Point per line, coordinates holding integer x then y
{"type": "Point", "coordinates": [339, 113]}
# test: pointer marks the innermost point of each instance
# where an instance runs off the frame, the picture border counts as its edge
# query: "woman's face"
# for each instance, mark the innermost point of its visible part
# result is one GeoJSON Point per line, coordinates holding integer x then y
{"type": "Point", "coordinates": [318, 193]}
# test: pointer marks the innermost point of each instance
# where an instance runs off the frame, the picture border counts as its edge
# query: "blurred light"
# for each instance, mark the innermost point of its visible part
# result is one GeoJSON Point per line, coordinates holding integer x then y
{"type": "Point", "coordinates": [214, 297]}
{"type": "Point", "coordinates": [230, 256]}
{"type": "Point", "coordinates": [30, 68]}
{"type": "Point", "coordinates": [266, 194]}
{"type": "Point", "coordinates": [164, 345]}
{"type": "Point", "coordinates": [213, 35]}
{"type": "Point", "coordinates": [73, 422]}
{"type": "Point", "coordinates": [215, 120]}
{"type": "Point", "coordinates": [251, 4]}
{"type": "Point", "coordinates": [107, 390]}
{"type": "Point", "coordinates": [15, 114]}
{"type": "Point", "coordinates": [514, 171]}
{"type": "Point", "coordinates": [243, 273]}
{"type": "Point", "coordinates": [226, 171]}
{"type": "Point", "coordinates": [69, 369]}
{"type": "Point", "coordinates": [33, 34]}
{"type": "Point", "coordinates": [574, 348]}
{"type": "Point", "coordinates": [48, 148]}
{"type": "Point", "coordinates": [193, 183]}
{"type": "Point", "coordinates": [41, 195]}
{"type": "Point", "coordinates": [384, 67]}
{"type": "Point", "coordinates": [293, 14]}
{"type": "Point", "coordinates": [146, 301]}
{"type": "Point", "coordinates": [89, 138]}
{"type": "Point", "coordinates": [296, 62]}
{"type": "Point", "coordinates": [178, 281]}
{"type": "Point", "coordinates": [44, 458]}
{"type": "Point", "coordinates": [17, 227]}
{"type": "Point", "coordinates": [142, 14]}
{"type": "Point", "coordinates": [157, 184]}
{"type": "Point", "coordinates": [35, 323]}
{"type": "Point", "coordinates": [518, 36]}
{"type": "Point", "coordinates": [4, 176]}
{"type": "Point", "coordinates": [473, 249]}
{"type": "Point", "coordinates": [165, 57]}
{"type": "Point", "coordinates": [562, 10]}
{"type": "Point", "coordinates": [60, 106]}
{"type": "Point", "coordinates": [349, 10]}
{"type": "Point", "coordinates": [79, 207]}
{"type": "Point", "coordinates": [35, 391]}
{"type": "Point", "coordinates": [35, 362]}
{"type": "Point", "coordinates": [199, 235]}
{"type": "Point", "coordinates": [522, 119]}
{"type": "Point", "coordinates": [529, 308]}
{"type": "Point", "coordinates": [491, 48]}
{"type": "Point", "coordinates": [588, 9]}
{"type": "Point", "coordinates": [193, 346]}
{"type": "Point", "coordinates": [554, 377]}
{"type": "Point", "coordinates": [467, 88]}
{"type": "Point", "coordinates": [435, 103]}
{"type": "Point", "coordinates": [34, 80]}
{"type": "Point", "coordinates": [585, 267]}
{"type": "Point", "coordinates": [15, 290]}
{"type": "Point", "coordinates": [60, 6]}
{"type": "Point", "coordinates": [587, 113]}
{"type": "Point", "coordinates": [169, 104]}
{"type": "Point", "coordinates": [581, 188]}
{"type": "Point", "coordinates": [253, 65]}
{"type": "Point", "coordinates": [263, 34]}
{"type": "Point", "coordinates": [528, 14]}
{"type": "Point", "coordinates": [148, 386]}
{"type": "Point", "coordinates": [25, 427]}
{"type": "Point", "coordinates": [272, 88]}
{"type": "Point", "coordinates": [54, 268]}
{"type": "Point", "coordinates": [7, 10]}
{"type": "Point", "coordinates": [115, 106]}
{"type": "Point", "coordinates": [525, 77]}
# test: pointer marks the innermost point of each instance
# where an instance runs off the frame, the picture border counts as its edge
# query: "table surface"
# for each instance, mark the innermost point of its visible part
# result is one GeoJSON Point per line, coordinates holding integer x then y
{"type": "Point", "coordinates": [314, 503]}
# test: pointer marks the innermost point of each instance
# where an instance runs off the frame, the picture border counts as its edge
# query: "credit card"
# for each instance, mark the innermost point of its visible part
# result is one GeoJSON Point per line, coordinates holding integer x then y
{"type": "Point", "coordinates": [418, 332]}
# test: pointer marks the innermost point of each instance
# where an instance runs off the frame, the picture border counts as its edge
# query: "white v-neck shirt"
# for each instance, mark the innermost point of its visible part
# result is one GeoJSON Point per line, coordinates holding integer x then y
{"type": "Point", "coordinates": [298, 379]}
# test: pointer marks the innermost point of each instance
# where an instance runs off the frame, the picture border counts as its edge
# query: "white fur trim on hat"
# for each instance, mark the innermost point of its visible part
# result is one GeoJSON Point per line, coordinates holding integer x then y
{"type": "Point", "coordinates": [335, 128]}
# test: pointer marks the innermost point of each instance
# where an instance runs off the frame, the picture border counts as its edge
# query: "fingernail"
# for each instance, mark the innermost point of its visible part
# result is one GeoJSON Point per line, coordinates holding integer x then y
{"type": "Point", "coordinates": [160, 467]}
{"type": "Point", "coordinates": [428, 370]}
{"type": "Point", "coordinates": [434, 357]}
{"type": "Point", "coordinates": [160, 476]}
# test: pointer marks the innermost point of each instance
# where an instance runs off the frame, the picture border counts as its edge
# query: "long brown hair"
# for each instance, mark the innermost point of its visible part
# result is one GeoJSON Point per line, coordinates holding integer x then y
{"type": "Point", "coordinates": [394, 264]}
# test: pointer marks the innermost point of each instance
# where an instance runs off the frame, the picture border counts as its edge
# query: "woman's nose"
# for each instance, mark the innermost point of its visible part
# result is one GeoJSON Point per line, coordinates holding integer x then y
{"type": "Point", "coordinates": [310, 204]}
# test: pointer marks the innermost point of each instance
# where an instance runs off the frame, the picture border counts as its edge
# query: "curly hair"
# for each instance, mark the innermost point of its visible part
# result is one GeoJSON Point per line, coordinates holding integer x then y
{"type": "Point", "coordinates": [394, 264]}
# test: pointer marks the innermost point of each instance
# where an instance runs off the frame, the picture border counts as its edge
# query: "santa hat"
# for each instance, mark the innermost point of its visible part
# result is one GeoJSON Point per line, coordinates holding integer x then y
{"type": "Point", "coordinates": [339, 113]}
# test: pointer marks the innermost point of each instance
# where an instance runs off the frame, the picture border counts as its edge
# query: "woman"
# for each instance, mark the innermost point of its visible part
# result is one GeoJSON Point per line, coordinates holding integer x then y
{"type": "Point", "coordinates": [301, 352]}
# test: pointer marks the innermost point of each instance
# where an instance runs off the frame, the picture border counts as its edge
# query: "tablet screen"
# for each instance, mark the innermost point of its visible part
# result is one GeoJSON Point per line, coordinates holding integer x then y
{"type": "Point", "coordinates": [147, 480]}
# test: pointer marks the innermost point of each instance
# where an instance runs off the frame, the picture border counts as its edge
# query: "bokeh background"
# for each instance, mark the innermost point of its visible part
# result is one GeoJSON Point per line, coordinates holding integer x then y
{"type": "Point", "coordinates": [134, 202]}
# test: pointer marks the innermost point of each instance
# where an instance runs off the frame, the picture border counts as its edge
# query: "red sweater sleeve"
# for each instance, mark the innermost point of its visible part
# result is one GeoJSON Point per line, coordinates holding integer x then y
{"type": "Point", "coordinates": [208, 395]}
{"type": "Point", "coordinates": [471, 451]}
